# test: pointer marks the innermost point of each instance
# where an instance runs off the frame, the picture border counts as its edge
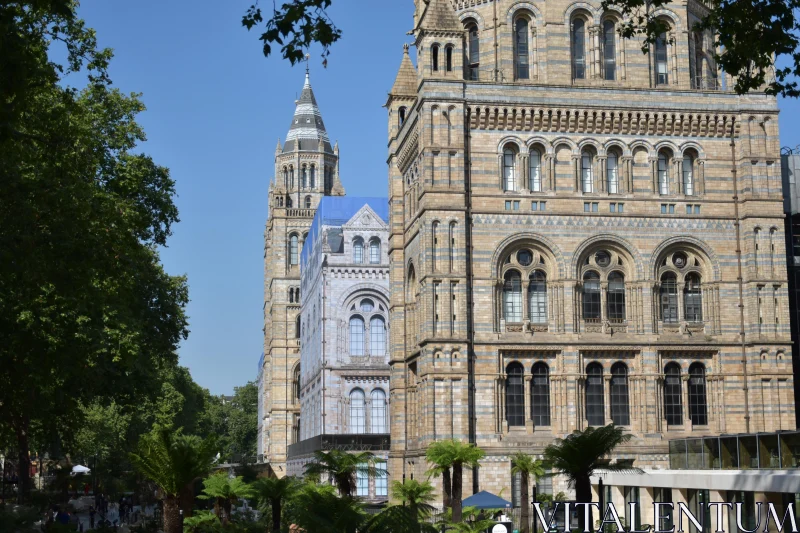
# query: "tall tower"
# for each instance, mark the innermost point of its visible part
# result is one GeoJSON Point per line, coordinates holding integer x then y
{"type": "Point", "coordinates": [306, 169]}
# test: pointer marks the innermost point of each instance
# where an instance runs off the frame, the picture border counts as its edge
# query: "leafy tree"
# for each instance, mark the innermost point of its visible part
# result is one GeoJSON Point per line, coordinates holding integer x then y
{"type": "Point", "coordinates": [581, 453]}
{"type": "Point", "coordinates": [272, 493]}
{"type": "Point", "coordinates": [526, 466]}
{"type": "Point", "coordinates": [325, 512]}
{"type": "Point", "coordinates": [342, 467]}
{"type": "Point", "coordinates": [174, 461]}
{"type": "Point", "coordinates": [235, 421]}
{"type": "Point", "coordinates": [201, 522]}
{"type": "Point", "coordinates": [440, 454]}
{"type": "Point", "coordinates": [453, 455]}
{"type": "Point", "coordinates": [225, 491]}
{"type": "Point", "coordinates": [416, 496]}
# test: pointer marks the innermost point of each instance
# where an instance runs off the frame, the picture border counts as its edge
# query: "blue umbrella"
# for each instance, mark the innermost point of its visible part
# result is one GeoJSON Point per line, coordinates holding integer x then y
{"type": "Point", "coordinates": [486, 500]}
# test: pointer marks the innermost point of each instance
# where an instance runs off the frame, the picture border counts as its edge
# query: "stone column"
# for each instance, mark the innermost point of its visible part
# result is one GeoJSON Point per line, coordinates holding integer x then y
{"type": "Point", "coordinates": [646, 505]}
{"type": "Point", "coordinates": [528, 412]}
{"type": "Point", "coordinates": [607, 397]}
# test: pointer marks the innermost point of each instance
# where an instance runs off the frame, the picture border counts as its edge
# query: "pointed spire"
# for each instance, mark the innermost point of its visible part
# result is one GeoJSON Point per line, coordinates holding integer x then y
{"type": "Point", "coordinates": [279, 148]}
{"type": "Point", "coordinates": [307, 128]}
{"type": "Point", "coordinates": [405, 84]}
{"type": "Point", "coordinates": [439, 15]}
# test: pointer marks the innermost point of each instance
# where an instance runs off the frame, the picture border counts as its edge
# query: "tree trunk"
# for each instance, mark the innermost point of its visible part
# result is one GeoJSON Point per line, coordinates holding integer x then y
{"type": "Point", "coordinates": [186, 500]}
{"type": "Point", "coordinates": [458, 472]}
{"type": "Point", "coordinates": [345, 484]}
{"type": "Point", "coordinates": [525, 504]}
{"type": "Point", "coordinates": [583, 494]}
{"type": "Point", "coordinates": [172, 515]}
{"type": "Point", "coordinates": [24, 468]}
{"type": "Point", "coordinates": [276, 515]}
{"type": "Point", "coordinates": [226, 512]}
{"type": "Point", "coordinates": [447, 489]}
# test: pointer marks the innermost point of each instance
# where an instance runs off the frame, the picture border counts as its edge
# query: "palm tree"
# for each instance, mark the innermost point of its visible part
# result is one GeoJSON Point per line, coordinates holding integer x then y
{"type": "Point", "coordinates": [343, 467]}
{"type": "Point", "coordinates": [173, 462]}
{"type": "Point", "coordinates": [583, 452]}
{"type": "Point", "coordinates": [325, 512]}
{"type": "Point", "coordinates": [525, 465]}
{"type": "Point", "coordinates": [463, 455]}
{"type": "Point", "coordinates": [225, 491]}
{"type": "Point", "coordinates": [474, 524]}
{"type": "Point", "coordinates": [273, 492]}
{"type": "Point", "coordinates": [416, 496]}
{"type": "Point", "coordinates": [440, 454]}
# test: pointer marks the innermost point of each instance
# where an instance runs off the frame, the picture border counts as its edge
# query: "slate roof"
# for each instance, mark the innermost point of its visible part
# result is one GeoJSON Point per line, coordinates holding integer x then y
{"type": "Point", "coordinates": [307, 127]}
{"type": "Point", "coordinates": [405, 84]}
{"type": "Point", "coordinates": [439, 15]}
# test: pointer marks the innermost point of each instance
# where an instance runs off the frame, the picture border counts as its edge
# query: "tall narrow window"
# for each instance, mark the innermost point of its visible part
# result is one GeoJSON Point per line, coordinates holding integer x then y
{"type": "Point", "coordinates": [669, 298]}
{"type": "Point", "coordinates": [435, 57]}
{"type": "Point", "coordinates": [474, 51]}
{"type": "Point", "coordinates": [452, 246]}
{"type": "Point", "coordinates": [692, 299]}
{"type": "Point", "coordinates": [515, 395]}
{"type": "Point", "coordinates": [663, 173]}
{"type": "Point", "coordinates": [377, 336]}
{"type": "Point", "coordinates": [612, 173]}
{"type": "Point", "coordinates": [537, 297]}
{"type": "Point", "coordinates": [293, 250]}
{"type": "Point", "coordinates": [296, 382]}
{"type": "Point", "coordinates": [616, 297]}
{"type": "Point", "coordinates": [308, 202]}
{"type": "Point", "coordinates": [512, 296]}
{"type": "Point", "coordinates": [509, 169]}
{"type": "Point", "coordinates": [374, 252]}
{"type": "Point", "coordinates": [291, 177]}
{"type": "Point", "coordinates": [378, 411]}
{"type": "Point", "coordinates": [662, 71]}
{"type": "Point", "coordinates": [673, 395]}
{"type": "Point", "coordinates": [358, 251]}
{"type": "Point", "coordinates": [587, 176]}
{"type": "Point", "coordinates": [435, 251]}
{"type": "Point", "coordinates": [362, 483]}
{"type": "Point", "coordinates": [289, 202]}
{"type": "Point", "coordinates": [356, 336]}
{"type": "Point", "coordinates": [620, 414]}
{"type": "Point", "coordinates": [591, 296]}
{"type": "Point", "coordinates": [313, 176]}
{"type": "Point", "coordinates": [609, 51]}
{"type": "Point", "coordinates": [578, 49]}
{"type": "Point", "coordinates": [285, 177]}
{"type": "Point", "coordinates": [688, 175]}
{"type": "Point", "coordinates": [595, 404]}
{"type": "Point", "coordinates": [521, 51]}
{"type": "Point", "coordinates": [540, 395]}
{"type": "Point", "coordinates": [402, 115]}
{"type": "Point", "coordinates": [448, 58]}
{"type": "Point", "coordinates": [381, 479]}
{"type": "Point", "coordinates": [304, 177]}
{"type": "Point", "coordinates": [358, 415]}
{"type": "Point", "coordinates": [535, 174]}
{"type": "Point", "coordinates": [297, 327]}
{"type": "Point", "coordinates": [698, 411]}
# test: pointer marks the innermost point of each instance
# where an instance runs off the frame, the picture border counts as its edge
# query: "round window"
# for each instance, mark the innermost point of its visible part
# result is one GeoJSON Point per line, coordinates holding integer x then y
{"type": "Point", "coordinates": [602, 258]}
{"type": "Point", "coordinates": [367, 306]}
{"type": "Point", "coordinates": [679, 260]}
{"type": "Point", "coordinates": [524, 257]}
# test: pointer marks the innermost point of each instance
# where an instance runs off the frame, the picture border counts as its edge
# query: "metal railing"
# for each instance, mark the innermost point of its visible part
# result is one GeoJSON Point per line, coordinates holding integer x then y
{"type": "Point", "coordinates": [706, 83]}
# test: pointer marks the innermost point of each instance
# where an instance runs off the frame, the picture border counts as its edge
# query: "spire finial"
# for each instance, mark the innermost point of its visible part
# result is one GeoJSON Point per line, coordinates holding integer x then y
{"type": "Point", "coordinates": [308, 62]}
{"type": "Point", "coordinates": [405, 48]}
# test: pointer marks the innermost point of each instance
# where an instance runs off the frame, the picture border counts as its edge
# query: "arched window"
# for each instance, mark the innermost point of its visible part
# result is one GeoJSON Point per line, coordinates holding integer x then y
{"type": "Point", "coordinates": [540, 395]}
{"type": "Point", "coordinates": [698, 411]}
{"type": "Point", "coordinates": [358, 251]}
{"type": "Point", "coordinates": [509, 169]}
{"type": "Point", "coordinates": [291, 296]}
{"type": "Point", "coordinates": [587, 176]}
{"type": "Point", "coordinates": [377, 336]}
{"type": "Point", "coordinates": [280, 201]}
{"type": "Point", "coordinates": [474, 50]}
{"type": "Point", "coordinates": [452, 246]}
{"type": "Point", "coordinates": [285, 177]}
{"type": "Point", "coordinates": [296, 382]}
{"type": "Point", "coordinates": [578, 49]}
{"type": "Point", "coordinates": [402, 115]}
{"type": "Point", "coordinates": [303, 177]}
{"type": "Point", "coordinates": [535, 167]}
{"type": "Point", "coordinates": [435, 237]}
{"type": "Point", "coordinates": [662, 70]}
{"type": "Point", "coordinates": [537, 297]}
{"type": "Point", "coordinates": [289, 202]}
{"type": "Point", "coordinates": [673, 395]}
{"type": "Point", "coordinates": [515, 395]}
{"type": "Point", "coordinates": [595, 404]}
{"type": "Point", "coordinates": [692, 299]}
{"type": "Point", "coordinates": [367, 305]}
{"type": "Point", "coordinates": [669, 298]}
{"type": "Point", "coordinates": [374, 252]}
{"type": "Point", "coordinates": [663, 173]}
{"type": "Point", "coordinates": [620, 414]}
{"type": "Point", "coordinates": [378, 411]}
{"type": "Point", "coordinates": [313, 176]}
{"type": "Point", "coordinates": [356, 335]}
{"type": "Point", "coordinates": [293, 250]}
{"type": "Point", "coordinates": [612, 173]}
{"type": "Point", "coordinates": [297, 327]}
{"type": "Point", "coordinates": [448, 58]}
{"type": "Point", "coordinates": [358, 418]}
{"type": "Point", "coordinates": [308, 202]}
{"type": "Point", "coordinates": [609, 51]}
{"type": "Point", "coordinates": [435, 57]}
{"type": "Point", "coordinates": [616, 297]}
{"type": "Point", "coordinates": [512, 296]}
{"type": "Point", "coordinates": [521, 49]}
{"type": "Point", "coordinates": [591, 296]}
{"type": "Point", "coordinates": [688, 175]}
{"type": "Point", "coordinates": [291, 177]}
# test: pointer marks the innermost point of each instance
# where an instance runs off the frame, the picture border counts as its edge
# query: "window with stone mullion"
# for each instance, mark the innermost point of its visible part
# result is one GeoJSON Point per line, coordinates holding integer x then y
{"type": "Point", "coordinates": [620, 412]}
{"type": "Point", "coordinates": [595, 404]}
{"type": "Point", "coordinates": [540, 395]}
{"type": "Point", "coordinates": [673, 395]}
{"type": "Point", "coordinates": [515, 395]}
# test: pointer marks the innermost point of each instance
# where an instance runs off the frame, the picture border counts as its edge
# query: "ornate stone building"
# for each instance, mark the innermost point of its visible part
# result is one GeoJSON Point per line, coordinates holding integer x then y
{"type": "Point", "coordinates": [306, 169]}
{"type": "Point", "coordinates": [581, 234]}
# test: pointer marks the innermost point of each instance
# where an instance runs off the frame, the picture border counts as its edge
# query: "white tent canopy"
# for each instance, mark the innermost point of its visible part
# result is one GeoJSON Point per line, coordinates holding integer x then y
{"type": "Point", "coordinates": [78, 469]}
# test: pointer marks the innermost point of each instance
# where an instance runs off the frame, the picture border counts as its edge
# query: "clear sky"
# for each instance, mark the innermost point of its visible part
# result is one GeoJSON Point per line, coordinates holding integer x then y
{"type": "Point", "coordinates": [216, 108]}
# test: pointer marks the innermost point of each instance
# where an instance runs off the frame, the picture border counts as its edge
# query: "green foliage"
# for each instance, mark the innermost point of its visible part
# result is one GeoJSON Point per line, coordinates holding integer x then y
{"type": "Point", "coordinates": [16, 518]}
{"type": "Point", "coordinates": [271, 495]}
{"type": "Point", "coordinates": [295, 26]}
{"type": "Point", "coordinates": [522, 463]}
{"type": "Point", "coordinates": [325, 512]}
{"type": "Point", "coordinates": [473, 521]}
{"type": "Point", "coordinates": [235, 422]}
{"type": "Point", "coordinates": [202, 522]}
{"type": "Point", "coordinates": [342, 467]}
{"type": "Point", "coordinates": [416, 496]}
{"type": "Point", "coordinates": [225, 491]}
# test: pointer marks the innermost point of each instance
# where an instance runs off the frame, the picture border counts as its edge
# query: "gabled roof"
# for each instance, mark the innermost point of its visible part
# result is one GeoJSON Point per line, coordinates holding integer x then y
{"type": "Point", "coordinates": [439, 15]}
{"type": "Point", "coordinates": [405, 83]}
{"type": "Point", "coordinates": [307, 129]}
{"type": "Point", "coordinates": [366, 217]}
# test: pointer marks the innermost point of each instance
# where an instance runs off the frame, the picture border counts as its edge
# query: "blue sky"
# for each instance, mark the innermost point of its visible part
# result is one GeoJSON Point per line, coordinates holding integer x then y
{"type": "Point", "coordinates": [216, 108]}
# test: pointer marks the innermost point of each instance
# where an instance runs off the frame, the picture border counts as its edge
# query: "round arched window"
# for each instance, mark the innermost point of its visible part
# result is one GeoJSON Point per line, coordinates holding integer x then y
{"type": "Point", "coordinates": [602, 258]}
{"type": "Point", "coordinates": [679, 260]}
{"type": "Point", "coordinates": [525, 257]}
{"type": "Point", "coordinates": [367, 306]}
